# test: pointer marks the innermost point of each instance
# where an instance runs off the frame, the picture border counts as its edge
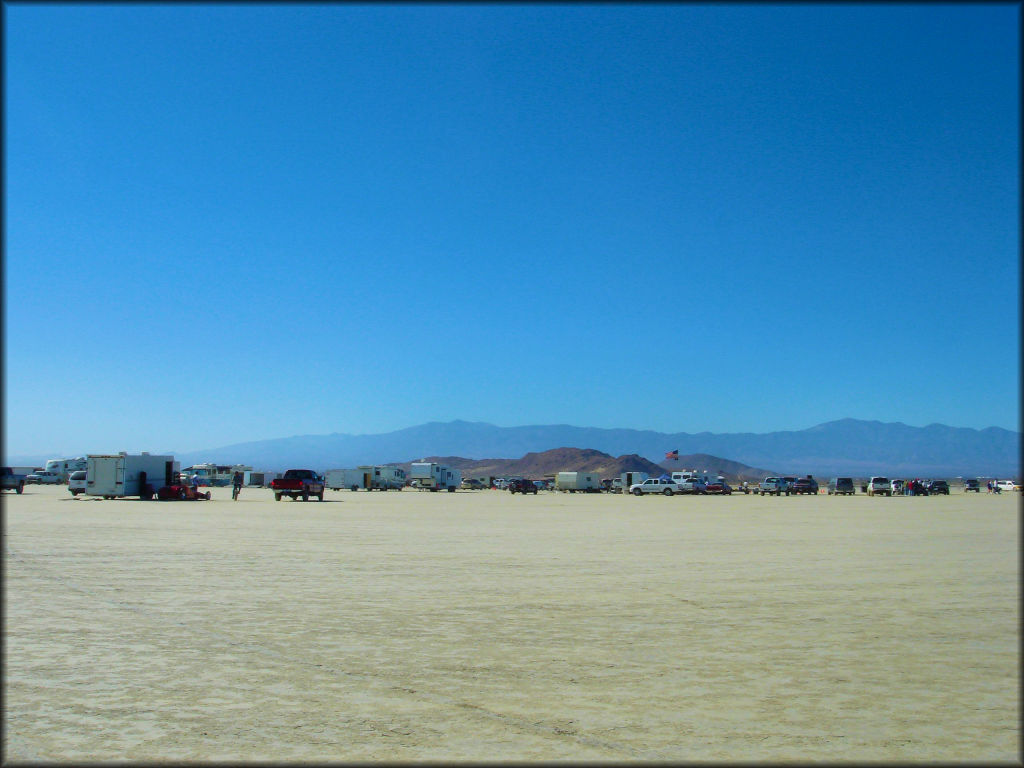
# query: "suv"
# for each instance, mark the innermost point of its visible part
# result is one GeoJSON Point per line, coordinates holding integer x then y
{"type": "Point", "coordinates": [938, 487]}
{"type": "Point", "coordinates": [879, 486]}
{"type": "Point", "coordinates": [76, 482]}
{"type": "Point", "coordinates": [42, 477]}
{"type": "Point", "coordinates": [972, 484]}
{"type": "Point", "coordinates": [773, 486]}
{"type": "Point", "coordinates": [805, 485]}
{"type": "Point", "coordinates": [841, 486]}
{"type": "Point", "coordinates": [655, 485]}
{"type": "Point", "coordinates": [522, 485]}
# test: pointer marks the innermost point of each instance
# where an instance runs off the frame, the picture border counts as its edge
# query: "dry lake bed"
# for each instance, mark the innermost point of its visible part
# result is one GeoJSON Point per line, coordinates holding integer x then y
{"type": "Point", "coordinates": [412, 626]}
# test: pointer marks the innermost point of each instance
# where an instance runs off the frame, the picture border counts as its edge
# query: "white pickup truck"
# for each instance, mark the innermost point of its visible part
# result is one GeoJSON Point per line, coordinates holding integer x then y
{"type": "Point", "coordinates": [654, 485]}
{"type": "Point", "coordinates": [773, 486]}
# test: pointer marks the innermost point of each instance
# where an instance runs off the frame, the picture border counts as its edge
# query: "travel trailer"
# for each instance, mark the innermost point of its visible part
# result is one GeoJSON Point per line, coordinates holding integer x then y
{"type": "Point", "coordinates": [434, 476]}
{"type": "Point", "coordinates": [584, 482]}
{"type": "Point", "coordinates": [117, 475]}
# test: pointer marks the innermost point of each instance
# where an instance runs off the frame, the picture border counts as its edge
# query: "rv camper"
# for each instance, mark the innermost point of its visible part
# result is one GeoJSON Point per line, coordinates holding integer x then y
{"type": "Point", "coordinates": [584, 482]}
{"type": "Point", "coordinates": [117, 475]}
{"type": "Point", "coordinates": [433, 476]}
{"type": "Point", "coordinates": [64, 467]}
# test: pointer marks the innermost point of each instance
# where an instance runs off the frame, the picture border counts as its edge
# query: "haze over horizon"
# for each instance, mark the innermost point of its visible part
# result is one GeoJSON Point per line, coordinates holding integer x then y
{"type": "Point", "coordinates": [230, 223]}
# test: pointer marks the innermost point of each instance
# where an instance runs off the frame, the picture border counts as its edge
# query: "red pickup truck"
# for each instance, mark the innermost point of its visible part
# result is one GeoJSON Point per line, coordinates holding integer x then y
{"type": "Point", "coordinates": [298, 482]}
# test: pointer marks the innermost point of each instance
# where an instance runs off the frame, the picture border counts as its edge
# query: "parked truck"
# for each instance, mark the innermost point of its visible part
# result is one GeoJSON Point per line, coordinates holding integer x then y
{"type": "Point", "coordinates": [584, 482]}
{"type": "Point", "coordinates": [122, 474]}
{"type": "Point", "coordinates": [434, 476]}
{"type": "Point", "coordinates": [11, 480]}
{"type": "Point", "coordinates": [298, 483]}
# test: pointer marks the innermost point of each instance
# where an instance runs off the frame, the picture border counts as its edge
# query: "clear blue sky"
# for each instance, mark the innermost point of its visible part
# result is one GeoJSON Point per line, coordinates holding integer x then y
{"type": "Point", "coordinates": [237, 222]}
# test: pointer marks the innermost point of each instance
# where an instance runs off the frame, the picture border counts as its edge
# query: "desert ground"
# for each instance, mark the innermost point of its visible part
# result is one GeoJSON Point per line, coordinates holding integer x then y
{"type": "Point", "coordinates": [414, 626]}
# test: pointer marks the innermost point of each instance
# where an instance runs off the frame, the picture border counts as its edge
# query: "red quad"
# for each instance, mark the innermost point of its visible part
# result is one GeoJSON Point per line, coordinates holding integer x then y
{"type": "Point", "coordinates": [181, 493]}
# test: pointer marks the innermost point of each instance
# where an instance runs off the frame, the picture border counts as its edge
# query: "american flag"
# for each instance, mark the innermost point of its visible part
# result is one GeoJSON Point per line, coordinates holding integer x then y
{"type": "Point", "coordinates": [674, 455]}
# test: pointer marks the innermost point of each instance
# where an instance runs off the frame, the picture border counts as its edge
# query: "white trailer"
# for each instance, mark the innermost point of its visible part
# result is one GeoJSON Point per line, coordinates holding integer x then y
{"type": "Point", "coordinates": [117, 475]}
{"type": "Point", "coordinates": [622, 482]}
{"type": "Point", "coordinates": [336, 479]}
{"type": "Point", "coordinates": [257, 479]}
{"type": "Point", "coordinates": [584, 482]}
{"type": "Point", "coordinates": [64, 467]}
{"type": "Point", "coordinates": [434, 476]}
{"type": "Point", "coordinates": [390, 478]}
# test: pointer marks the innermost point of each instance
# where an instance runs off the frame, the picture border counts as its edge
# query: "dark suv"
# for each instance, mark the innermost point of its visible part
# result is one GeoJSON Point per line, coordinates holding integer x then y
{"type": "Point", "coordinates": [522, 486]}
{"type": "Point", "coordinates": [937, 487]}
{"type": "Point", "coordinates": [804, 485]}
{"type": "Point", "coordinates": [972, 484]}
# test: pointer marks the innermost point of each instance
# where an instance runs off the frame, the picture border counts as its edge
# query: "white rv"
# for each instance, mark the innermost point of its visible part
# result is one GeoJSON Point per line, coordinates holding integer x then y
{"type": "Point", "coordinates": [64, 467]}
{"type": "Point", "coordinates": [584, 482]}
{"type": "Point", "coordinates": [116, 475]}
{"type": "Point", "coordinates": [434, 476]}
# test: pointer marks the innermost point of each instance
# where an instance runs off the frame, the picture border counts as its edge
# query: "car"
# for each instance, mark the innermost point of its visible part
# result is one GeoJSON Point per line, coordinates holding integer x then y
{"type": "Point", "coordinates": [691, 484]}
{"type": "Point", "coordinates": [879, 486]}
{"type": "Point", "coordinates": [840, 486]}
{"type": "Point", "coordinates": [896, 486]}
{"type": "Point", "coordinates": [521, 485]}
{"type": "Point", "coordinates": [42, 477]}
{"type": "Point", "coordinates": [1008, 485]}
{"type": "Point", "coordinates": [472, 484]}
{"type": "Point", "coordinates": [773, 486]}
{"type": "Point", "coordinates": [805, 485]}
{"type": "Point", "coordinates": [655, 485]}
{"type": "Point", "coordinates": [972, 484]}
{"type": "Point", "coordinates": [719, 486]}
{"type": "Point", "coordinates": [938, 487]}
{"type": "Point", "coordinates": [76, 482]}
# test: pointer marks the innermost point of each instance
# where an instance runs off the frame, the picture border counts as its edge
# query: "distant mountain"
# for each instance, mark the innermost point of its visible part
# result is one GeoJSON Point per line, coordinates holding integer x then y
{"type": "Point", "coordinates": [845, 447]}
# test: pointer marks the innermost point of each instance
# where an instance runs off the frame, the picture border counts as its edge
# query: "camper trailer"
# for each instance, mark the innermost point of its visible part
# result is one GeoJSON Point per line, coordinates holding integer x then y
{"type": "Point", "coordinates": [117, 475]}
{"type": "Point", "coordinates": [434, 477]}
{"type": "Point", "coordinates": [584, 482]}
{"type": "Point", "coordinates": [64, 467]}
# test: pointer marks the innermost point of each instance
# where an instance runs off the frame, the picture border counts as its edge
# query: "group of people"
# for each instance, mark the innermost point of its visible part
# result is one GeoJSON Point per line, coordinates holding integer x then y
{"type": "Point", "coordinates": [911, 488]}
{"type": "Point", "coordinates": [993, 487]}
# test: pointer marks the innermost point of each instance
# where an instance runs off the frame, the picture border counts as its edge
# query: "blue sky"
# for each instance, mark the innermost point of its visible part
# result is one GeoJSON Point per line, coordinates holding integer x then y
{"type": "Point", "coordinates": [238, 222]}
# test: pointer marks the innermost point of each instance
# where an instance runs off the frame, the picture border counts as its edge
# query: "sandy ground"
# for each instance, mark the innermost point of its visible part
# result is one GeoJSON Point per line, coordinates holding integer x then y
{"type": "Point", "coordinates": [485, 626]}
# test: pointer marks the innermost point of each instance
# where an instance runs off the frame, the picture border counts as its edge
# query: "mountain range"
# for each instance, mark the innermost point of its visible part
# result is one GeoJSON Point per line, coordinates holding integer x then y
{"type": "Point", "coordinates": [846, 447]}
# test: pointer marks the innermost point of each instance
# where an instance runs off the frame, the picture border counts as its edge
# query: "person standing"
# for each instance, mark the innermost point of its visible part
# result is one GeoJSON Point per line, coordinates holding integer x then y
{"type": "Point", "coordinates": [236, 485]}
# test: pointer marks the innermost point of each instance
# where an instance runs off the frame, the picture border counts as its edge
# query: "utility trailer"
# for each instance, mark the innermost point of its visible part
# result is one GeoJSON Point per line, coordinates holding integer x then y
{"type": "Point", "coordinates": [584, 482]}
{"type": "Point", "coordinates": [336, 479]}
{"type": "Point", "coordinates": [434, 476]}
{"type": "Point", "coordinates": [118, 475]}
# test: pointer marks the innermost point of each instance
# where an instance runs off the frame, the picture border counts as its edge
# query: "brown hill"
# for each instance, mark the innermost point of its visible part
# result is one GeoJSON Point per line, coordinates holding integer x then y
{"type": "Point", "coordinates": [714, 466]}
{"type": "Point", "coordinates": [549, 463]}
